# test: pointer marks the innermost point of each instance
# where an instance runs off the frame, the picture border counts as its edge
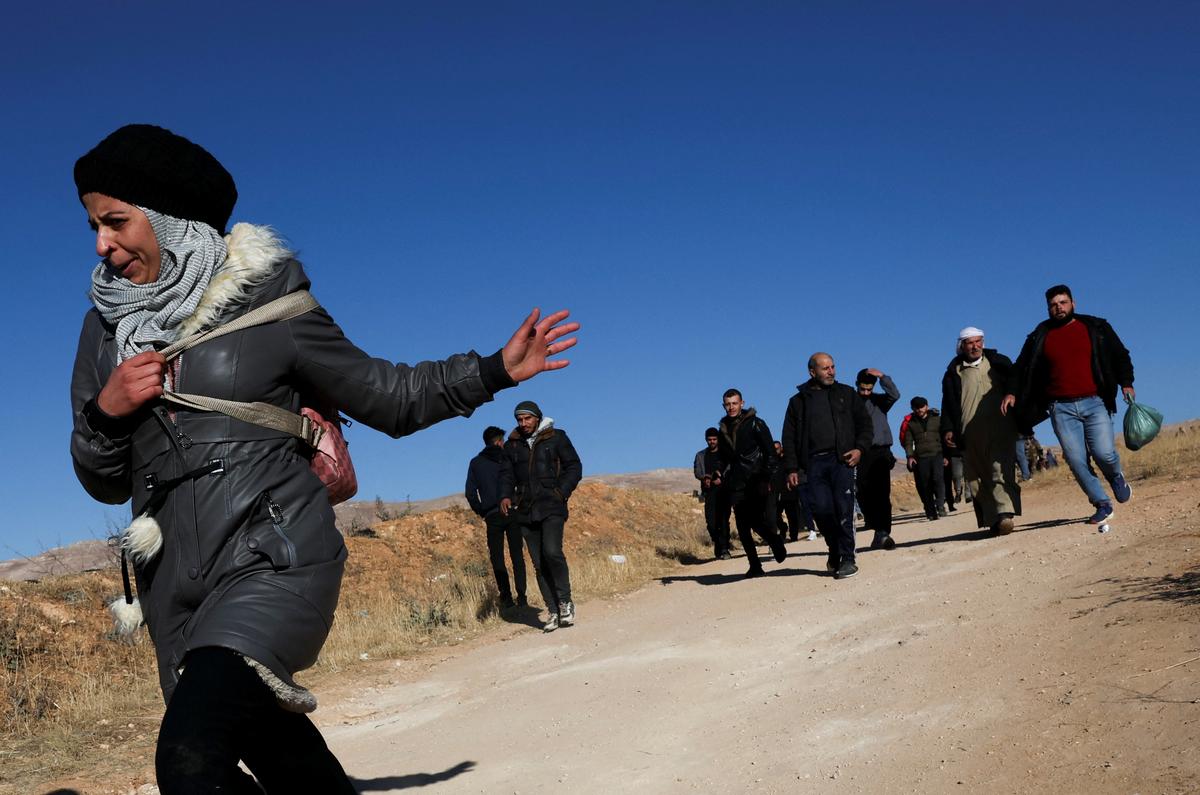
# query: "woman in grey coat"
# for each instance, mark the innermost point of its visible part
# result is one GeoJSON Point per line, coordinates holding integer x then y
{"type": "Point", "coordinates": [235, 553]}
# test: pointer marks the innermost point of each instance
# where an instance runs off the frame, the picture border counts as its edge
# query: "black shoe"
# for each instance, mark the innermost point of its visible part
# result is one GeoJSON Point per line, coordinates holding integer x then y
{"type": "Point", "coordinates": [522, 601]}
{"type": "Point", "coordinates": [951, 507]}
{"type": "Point", "coordinates": [506, 602]}
{"type": "Point", "coordinates": [779, 549]}
{"type": "Point", "coordinates": [832, 563]}
{"type": "Point", "coordinates": [755, 571]}
{"type": "Point", "coordinates": [888, 542]}
{"type": "Point", "coordinates": [847, 569]}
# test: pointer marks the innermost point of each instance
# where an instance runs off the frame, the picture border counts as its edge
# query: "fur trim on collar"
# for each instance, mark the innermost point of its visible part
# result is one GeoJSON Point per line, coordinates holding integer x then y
{"type": "Point", "coordinates": [254, 254]}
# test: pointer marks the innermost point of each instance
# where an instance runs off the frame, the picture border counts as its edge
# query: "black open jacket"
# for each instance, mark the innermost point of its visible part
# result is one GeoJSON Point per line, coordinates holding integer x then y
{"type": "Point", "coordinates": [952, 391]}
{"type": "Point", "coordinates": [540, 480]}
{"type": "Point", "coordinates": [852, 425]}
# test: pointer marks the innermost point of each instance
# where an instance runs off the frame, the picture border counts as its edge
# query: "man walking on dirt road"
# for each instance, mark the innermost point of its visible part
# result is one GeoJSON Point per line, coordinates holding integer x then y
{"type": "Point", "coordinates": [483, 495]}
{"type": "Point", "coordinates": [748, 457]}
{"type": "Point", "coordinates": [972, 391]}
{"type": "Point", "coordinates": [544, 470]}
{"type": "Point", "coordinates": [875, 468]}
{"type": "Point", "coordinates": [707, 469]}
{"type": "Point", "coordinates": [825, 431]}
{"type": "Point", "coordinates": [1070, 368]}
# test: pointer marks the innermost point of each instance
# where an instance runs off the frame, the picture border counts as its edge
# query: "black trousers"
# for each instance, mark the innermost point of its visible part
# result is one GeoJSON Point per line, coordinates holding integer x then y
{"type": "Point", "coordinates": [931, 483]}
{"type": "Point", "coordinates": [221, 712]}
{"type": "Point", "coordinates": [716, 519]}
{"type": "Point", "coordinates": [875, 488]}
{"type": "Point", "coordinates": [545, 540]}
{"type": "Point", "coordinates": [787, 512]}
{"type": "Point", "coordinates": [750, 511]}
{"type": "Point", "coordinates": [499, 528]}
{"type": "Point", "coordinates": [831, 489]}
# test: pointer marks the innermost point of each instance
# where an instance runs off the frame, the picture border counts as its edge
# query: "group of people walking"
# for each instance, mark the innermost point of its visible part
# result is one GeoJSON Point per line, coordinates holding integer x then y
{"type": "Point", "coordinates": [836, 443]}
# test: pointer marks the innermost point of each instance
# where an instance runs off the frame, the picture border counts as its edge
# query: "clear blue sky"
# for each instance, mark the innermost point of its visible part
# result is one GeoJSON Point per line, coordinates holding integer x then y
{"type": "Point", "coordinates": [715, 190]}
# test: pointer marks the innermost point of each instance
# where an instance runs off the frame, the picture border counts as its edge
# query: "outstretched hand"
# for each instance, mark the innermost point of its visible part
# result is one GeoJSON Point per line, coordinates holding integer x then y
{"type": "Point", "coordinates": [528, 352]}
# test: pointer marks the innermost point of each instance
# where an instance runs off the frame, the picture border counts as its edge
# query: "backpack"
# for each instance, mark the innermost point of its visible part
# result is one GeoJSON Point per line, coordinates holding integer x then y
{"type": "Point", "coordinates": [319, 429]}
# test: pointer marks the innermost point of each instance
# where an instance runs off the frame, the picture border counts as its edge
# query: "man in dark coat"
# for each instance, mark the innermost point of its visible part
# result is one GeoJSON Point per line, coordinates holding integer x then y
{"type": "Point", "coordinates": [825, 431]}
{"type": "Point", "coordinates": [875, 469]}
{"type": "Point", "coordinates": [748, 457]}
{"type": "Point", "coordinates": [1070, 369]}
{"type": "Point", "coordinates": [544, 470]}
{"type": "Point", "coordinates": [923, 449]}
{"type": "Point", "coordinates": [483, 495]}
{"type": "Point", "coordinates": [707, 468]}
{"type": "Point", "coordinates": [972, 390]}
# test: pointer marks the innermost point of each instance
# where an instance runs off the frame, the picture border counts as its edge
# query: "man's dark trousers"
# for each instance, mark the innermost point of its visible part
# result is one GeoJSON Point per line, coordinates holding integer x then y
{"type": "Point", "coordinates": [875, 488]}
{"type": "Point", "coordinates": [716, 517]}
{"type": "Point", "coordinates": [500, 527]}
{"type": "Point", "coordinates": [545, 541]}
{"type": "Point", "coordinates": [750, 511]}
{"type": "Point", "coordinates": [931, 484]}
{"type": "Point", "coordinates": [831, 487]}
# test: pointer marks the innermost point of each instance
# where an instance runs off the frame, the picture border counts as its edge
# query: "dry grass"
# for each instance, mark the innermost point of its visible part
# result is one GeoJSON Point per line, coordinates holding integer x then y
{"type": "Point", "coordinates": [72, 692]}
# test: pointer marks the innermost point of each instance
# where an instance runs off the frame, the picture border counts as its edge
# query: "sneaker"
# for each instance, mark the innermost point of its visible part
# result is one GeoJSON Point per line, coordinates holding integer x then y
{"type": "Point", "coordinates": [888, 542]}
{"type": "Point", "coordinates": [1004, 525]}
{"type": "Point", "coordinates": [1121, 489]}
{"type": "Point", "coordinates": [941, 512]}
{"type": "Point", "coordinates": [1104, 512]}
{"type": "Point", "coordinates": [812, 535]}
{"type": "Point", "coordinates": [877, 541]}
{"type": "Point", "coordinates": [551, 623]}
{"type": "Point", "coordinates": [847, 569]}
{"type": "Point", "coordinates": [566, 614]}
{"type": "Point", "coordinates": [951, 507]}
{"type": "Point", "coordinates": [779, 550]}
{"type": "Point", "coordinates": [725, 555]}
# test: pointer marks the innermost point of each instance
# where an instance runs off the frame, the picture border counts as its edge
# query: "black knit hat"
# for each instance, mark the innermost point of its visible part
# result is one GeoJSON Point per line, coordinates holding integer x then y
{"type": "Point", "coordinates": [865, 378]}
{"type": "Point", "coordinates": [151, 167]}
{"type": "Point", "coordinates": [527, 407]}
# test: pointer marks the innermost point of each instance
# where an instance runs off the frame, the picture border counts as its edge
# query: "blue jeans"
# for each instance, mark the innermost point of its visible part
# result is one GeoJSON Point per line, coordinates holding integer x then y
{"type": "Point", "coordinates": [1085, 428]}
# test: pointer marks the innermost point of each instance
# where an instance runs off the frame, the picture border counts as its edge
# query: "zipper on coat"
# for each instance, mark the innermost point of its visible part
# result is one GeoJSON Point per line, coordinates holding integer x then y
{"type": "Point", "coordinates": [277, 520]}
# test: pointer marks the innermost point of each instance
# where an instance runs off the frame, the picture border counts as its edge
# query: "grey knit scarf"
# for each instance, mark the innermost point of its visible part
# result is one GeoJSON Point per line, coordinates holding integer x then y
{"type": "Point", "coordinates": [147, 316]}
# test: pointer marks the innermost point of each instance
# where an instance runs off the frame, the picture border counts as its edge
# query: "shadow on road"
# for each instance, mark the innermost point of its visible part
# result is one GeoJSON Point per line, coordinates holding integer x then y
{"type": "Point", "coordinates": [410, 780]}
{"type": "Point", "coordinates": [527, 616]}
{"type": "Point", "coordinates": [1183, 589]}
{"type": "Point", "coordinates": [723, 579]}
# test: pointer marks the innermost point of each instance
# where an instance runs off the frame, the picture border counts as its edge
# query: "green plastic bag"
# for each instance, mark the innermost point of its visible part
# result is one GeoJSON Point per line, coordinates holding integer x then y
{"type": "Point", "coordinates": [1142, 424]}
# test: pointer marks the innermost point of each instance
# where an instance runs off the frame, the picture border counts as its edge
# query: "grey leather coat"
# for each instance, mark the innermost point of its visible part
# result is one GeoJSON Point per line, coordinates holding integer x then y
{"type": "Point", "coordinates": [251, 559]}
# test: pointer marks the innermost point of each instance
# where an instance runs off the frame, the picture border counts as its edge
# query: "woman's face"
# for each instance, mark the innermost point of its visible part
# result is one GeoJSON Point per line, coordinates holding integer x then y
{"type": "Point", "coordinates": [124, 238]}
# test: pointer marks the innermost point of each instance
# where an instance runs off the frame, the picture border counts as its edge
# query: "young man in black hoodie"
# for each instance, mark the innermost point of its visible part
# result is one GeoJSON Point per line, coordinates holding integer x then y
{"type": "Point", "coordinates": [483, 495]}
{"type": "Point", "coordinates": [748, 456]}
{"type": "Point", "coordinates": [825, 432]}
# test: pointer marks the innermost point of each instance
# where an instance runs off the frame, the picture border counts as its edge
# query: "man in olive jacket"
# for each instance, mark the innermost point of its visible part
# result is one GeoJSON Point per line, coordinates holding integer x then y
{"type": "Point", "coordinates": [825, 432]}
{"type": "Point", "coordinates": [544, 470]}
{"type": "Point", "coordinates": [923, 447]}
{"type": "Point", "coordinates": [1070, 368]}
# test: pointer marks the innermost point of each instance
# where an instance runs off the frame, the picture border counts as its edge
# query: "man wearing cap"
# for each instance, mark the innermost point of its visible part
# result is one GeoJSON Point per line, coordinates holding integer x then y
{"type": "Point", "coordinates": [1070, 368]}
{"type": "Point", "coordinates": [707, 468]}
{"type": "Point", "coordinates": [875, 469]}
{"type": "Point", "coordinates": [544, 470]}
{"type": "Point", "coordinates": [972, 392]}
{"type": "Point", "coordinates": [483, 495]}
{"type": "Point", "coordinates": [825, 432]}
{"type": "Point", "coordinates": [923, 448]}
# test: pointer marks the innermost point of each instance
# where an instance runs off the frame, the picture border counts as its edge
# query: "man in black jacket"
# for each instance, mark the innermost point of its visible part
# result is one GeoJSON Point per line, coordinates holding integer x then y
{"type": "Point", "coordinates": [972, 391]}
{"type": "Point", "coordinates": [1070, 368]}
{"type": "Point", "coordinates": [825, 431]}
{"type": "Point", "coordinates": [748, 458]}
{"type": "Point", "coordinates": [483, 495]}
{"type": "Point", "coordinates": [544, 470]}
{"type": "Point", "coordinates": [875, 469]}
{"type": "Point", "coordinates": [707, 468]}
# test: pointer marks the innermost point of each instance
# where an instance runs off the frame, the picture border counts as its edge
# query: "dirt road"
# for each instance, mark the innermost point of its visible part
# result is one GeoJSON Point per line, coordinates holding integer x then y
{"type": "Point", "coordinates": [1055, 660]}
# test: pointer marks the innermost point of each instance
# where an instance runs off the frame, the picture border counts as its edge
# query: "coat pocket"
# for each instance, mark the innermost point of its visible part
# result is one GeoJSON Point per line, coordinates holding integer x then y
{"type": "Point", "coordinates": [267, 538]}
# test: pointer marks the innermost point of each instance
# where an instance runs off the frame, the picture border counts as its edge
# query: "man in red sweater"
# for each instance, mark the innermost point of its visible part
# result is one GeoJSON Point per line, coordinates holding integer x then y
{"type": "Point", "coordinates": [1070, 369]}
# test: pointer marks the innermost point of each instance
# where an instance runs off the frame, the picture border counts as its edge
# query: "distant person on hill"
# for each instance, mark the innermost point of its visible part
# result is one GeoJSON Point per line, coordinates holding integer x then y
{"type": "Point", "coordinates": [874, 478]}
{"type": "Point", "coordinates": [825, 431]}
{"type": "Point", "coordinates": [923, 447]}
{"type": "Point", "coordinates": [235, 554]}
{"type": "Point", "coordinates": [1071, 368]}
{"type": "Point", "coordinates": [534, 489]}
{"type": "Point", "coordinates": [972, 390]}
{"type": "Point", "coordinates": [707, 468]}
{"type": "Point", "coordinates": [748, 457]}
{"type": "Point", "coordinates": [483, 495]}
